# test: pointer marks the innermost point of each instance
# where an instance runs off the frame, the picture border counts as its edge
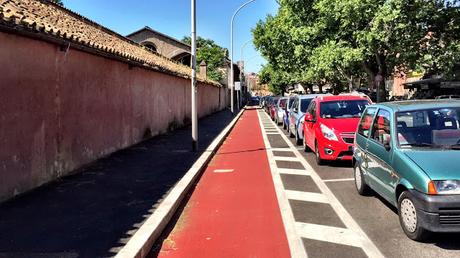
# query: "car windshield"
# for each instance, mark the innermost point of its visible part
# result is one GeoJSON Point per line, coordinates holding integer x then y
{"type": "Point", "coordinates": [343, 108]}
{"type": "Point", "coordinates": [429, 128]}
{"type": "Point", "coordinates": [304, 105]}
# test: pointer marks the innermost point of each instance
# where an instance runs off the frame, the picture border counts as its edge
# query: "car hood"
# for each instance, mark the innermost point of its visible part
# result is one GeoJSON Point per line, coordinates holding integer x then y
{"type": "Point", "coordinates": [437, 164]}
{"type": "Point", "coordinates": [341, 125]}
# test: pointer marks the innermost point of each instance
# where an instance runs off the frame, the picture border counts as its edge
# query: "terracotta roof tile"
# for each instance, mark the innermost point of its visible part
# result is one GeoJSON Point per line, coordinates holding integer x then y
{"type": "Point", "coordinates": [55, 21]}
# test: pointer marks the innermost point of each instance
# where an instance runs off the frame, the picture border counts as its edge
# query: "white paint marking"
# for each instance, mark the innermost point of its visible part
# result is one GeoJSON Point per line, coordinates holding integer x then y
{"type": "Point", "coordinates": [295, 242]}
{"type": "Point", "coordinates": [286, 158]}
{"type": "Point", "coordinates": [336, 235]}
{"type": "Point", "coordinates": [339, 180]}
{"type": "Point", "coordinates": [306, 196]}
{"type": "Point", "coordinates": [366, 244]}
{"type": "Point", "coordinates": [293, 171]}
{"type": "Point", "coordinates": [223, 170]}
{"type": "Point", "coordinates": [280, 149]}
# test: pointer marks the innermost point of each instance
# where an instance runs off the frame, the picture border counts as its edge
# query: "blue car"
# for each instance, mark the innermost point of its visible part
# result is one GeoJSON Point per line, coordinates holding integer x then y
{"type": "Point", "coordinates": [296, 115]}
{"type": "Point", "coordinates": [287, 109]}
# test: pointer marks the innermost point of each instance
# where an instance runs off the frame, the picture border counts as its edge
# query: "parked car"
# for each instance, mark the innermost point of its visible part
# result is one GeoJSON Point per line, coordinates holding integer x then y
{"type": "Point", "coordinates": [330, 125]}
{"type": "Point", "coordinates": [296, 115]}
{"type": "Point", "coordinates": [267, 104]}
{"type": "Point", "coordinates": [407, 152]}
{"type": "Point", "coordinates": [287, 109]}
{"type": "Point", "coordinates": [279, 110]}
{"type": "Point", "coordinates": [272, 108]}
{"type": "Point", "coordinates": [254, 101]}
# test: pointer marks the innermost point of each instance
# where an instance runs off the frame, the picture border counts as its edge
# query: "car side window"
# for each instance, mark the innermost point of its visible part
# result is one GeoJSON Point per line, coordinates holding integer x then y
{"type": "Point", "coordinates": [294, 106]}
{"type": "Point", "coordinates": [313, 110]}
{"type": "Point", "coordinates": [366, 121]}
{"type": "Point", "coordinates": [381, 130]}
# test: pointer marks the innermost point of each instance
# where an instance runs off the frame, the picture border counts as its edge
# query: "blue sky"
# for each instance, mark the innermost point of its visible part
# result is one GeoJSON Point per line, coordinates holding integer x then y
{"type": "Point", "coordinates": [172, 17]}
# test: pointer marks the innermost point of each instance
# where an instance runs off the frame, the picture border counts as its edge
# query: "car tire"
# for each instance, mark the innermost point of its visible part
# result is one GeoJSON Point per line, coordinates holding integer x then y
{"type": "Point", "coordinates": [408, 218]}
{"type": "Point", "coordinates": [298, 141]}
{"type": "Point", "coordinates": [319, 160]}
{"type": "Point", "coordinates": [360, 183]}
{"type": "Point", "coordinates": [291, 135]}
{"type": "Point", "coordinates": [305, 146]}
{"type": "Point", "coordinates": [284, 125]}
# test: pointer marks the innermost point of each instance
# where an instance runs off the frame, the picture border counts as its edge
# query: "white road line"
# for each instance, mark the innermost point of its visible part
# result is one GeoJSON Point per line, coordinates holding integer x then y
{"type": "Point", "coordinates": [271, 133]}
{"type": "Point", "coordinates": [336, 235]}
{"type": "Point", "coordinates": [280, 149]}
{"type": "Point", "coordinates": [295, 242]}
{"type": "Point", "coordinates": [286, 158]}
{"type": "Point", "coordinates": [306, 196]}
{"type": "Point", "coordinates": [339, 180]}
{"type": "Point", "coordinates": [223, 170]}
{"type": "Point", "coordinates": [366, 244]}
{"type": "Point", "coordinates": [289, 171]}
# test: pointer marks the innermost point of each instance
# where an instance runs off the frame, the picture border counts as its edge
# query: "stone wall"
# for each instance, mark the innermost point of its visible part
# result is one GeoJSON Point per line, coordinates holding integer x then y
{"type": "Point", "coordinates": [62, 109]}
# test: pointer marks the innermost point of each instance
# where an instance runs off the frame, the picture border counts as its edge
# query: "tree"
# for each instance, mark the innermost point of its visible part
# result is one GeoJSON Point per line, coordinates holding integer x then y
{"type": "Point", "coordinates": [214, 55]}
{"type": "Point", "coordinates": [331, 41]}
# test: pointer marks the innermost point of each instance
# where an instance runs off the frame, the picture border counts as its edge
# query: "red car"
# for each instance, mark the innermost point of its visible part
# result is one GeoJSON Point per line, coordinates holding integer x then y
{"type": "Point", "coordinates": [330, 125]}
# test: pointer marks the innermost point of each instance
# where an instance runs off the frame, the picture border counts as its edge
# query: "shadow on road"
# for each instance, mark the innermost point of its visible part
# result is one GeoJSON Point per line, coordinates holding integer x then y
{"type": "Point", "coordinates": [96, 211]}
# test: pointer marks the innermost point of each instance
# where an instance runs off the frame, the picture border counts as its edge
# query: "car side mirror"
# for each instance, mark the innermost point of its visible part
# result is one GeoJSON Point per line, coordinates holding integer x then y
{"type": "Point", "coordinates": [309, 118]}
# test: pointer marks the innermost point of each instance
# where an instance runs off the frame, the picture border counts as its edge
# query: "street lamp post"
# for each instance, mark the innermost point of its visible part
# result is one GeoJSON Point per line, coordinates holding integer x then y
{"type": "Point", "coordinates": [193, 86]}
{"type": "Point", "coordinates": [232, 84]}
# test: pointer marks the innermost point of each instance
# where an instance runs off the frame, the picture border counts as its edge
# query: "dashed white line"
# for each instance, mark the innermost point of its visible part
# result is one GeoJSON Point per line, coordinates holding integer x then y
{"type": "Point", "coordinates": [366, 244]}
{"type": "Point", "coordinates": [286, 158]}
{"type": "Point", "coordinates": [336, 235]}
{"type": "Point", "coordinates": [293, 171]}
{"type": "Point", "coordinates": [306, 196]}
{"type": "Point", "coordinates": [295, 242]}
{"type": "Point", "coordinates": [223, 170]}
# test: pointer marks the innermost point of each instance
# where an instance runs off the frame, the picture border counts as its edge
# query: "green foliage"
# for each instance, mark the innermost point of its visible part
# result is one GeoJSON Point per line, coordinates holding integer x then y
{"type": "Point", "coordinates": [331, 41]}
{"type": "Point", "coordinates": [212, 54]}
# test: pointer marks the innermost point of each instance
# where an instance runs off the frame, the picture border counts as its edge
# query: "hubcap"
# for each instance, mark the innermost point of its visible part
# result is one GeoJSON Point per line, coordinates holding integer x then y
{"type": "Point", "coordinates": [409, 215]}
{"type": "Point", "coordinates": [358, 178]}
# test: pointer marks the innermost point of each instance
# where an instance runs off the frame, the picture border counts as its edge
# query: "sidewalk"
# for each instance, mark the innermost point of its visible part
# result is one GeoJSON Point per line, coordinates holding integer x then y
{"type": "Point", "coordinates": [95, 212]}
{"type": "Point", "coordinates": [233, 211]}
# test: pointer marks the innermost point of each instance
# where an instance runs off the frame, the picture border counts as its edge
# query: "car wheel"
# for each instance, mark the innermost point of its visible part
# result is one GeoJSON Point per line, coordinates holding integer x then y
{"type": "Point", "coordinates": [319, 160]}
{"type": "Point", "coordinates": [291, 135]}
{"type": "Point", "coordinates": [360, 183]}
{"type": "Point", "coordinates": [284, 125]}
{"type": "Point", "coordinates": [305, 146]}
{"type": "Point", "coordinates": [297, 138]}
{"type": "Point", "coordinates": [408, 218]}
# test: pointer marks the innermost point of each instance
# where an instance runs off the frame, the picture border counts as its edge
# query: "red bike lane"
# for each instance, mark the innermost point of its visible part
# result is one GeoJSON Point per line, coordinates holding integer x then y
{"type": "Point", "coordinates": [233, 211]}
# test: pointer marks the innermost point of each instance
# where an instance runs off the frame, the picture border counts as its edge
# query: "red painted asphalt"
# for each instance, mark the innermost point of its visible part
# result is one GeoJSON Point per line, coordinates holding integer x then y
{"type": "Point", "coordinates": [232, 214]}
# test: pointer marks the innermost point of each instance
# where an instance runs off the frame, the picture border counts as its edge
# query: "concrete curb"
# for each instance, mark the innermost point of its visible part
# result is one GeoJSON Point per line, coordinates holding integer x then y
{"type": "Point", "coordinates": [142, 241]}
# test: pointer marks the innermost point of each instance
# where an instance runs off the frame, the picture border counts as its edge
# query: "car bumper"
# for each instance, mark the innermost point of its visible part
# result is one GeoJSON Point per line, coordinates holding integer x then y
{"type": "Point", "coordinates": [438, 213]}
{"type": "Point", "coordinates": [335, 150]}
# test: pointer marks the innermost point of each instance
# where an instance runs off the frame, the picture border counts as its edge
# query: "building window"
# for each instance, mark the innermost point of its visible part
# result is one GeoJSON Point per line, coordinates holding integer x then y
{"type": "Point", "coordinates": [150, 46]}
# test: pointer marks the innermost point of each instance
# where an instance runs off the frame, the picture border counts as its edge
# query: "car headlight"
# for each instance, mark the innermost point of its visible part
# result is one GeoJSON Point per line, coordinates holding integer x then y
{"type": "Point", "coordinates": [447, 186]}
{"type": "Point", "coordinates": [328, 133]}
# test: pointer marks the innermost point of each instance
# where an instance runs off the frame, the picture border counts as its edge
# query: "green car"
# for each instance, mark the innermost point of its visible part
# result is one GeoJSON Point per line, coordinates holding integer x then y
{"type": "Point", "coordinates": [409, 153]}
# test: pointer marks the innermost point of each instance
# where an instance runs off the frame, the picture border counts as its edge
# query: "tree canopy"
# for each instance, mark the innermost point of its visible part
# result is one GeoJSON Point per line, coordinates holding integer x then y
{"type": "Point", "coordinates": [213, 54]}
{"type": "Point", "coordinates": [334, 41]}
